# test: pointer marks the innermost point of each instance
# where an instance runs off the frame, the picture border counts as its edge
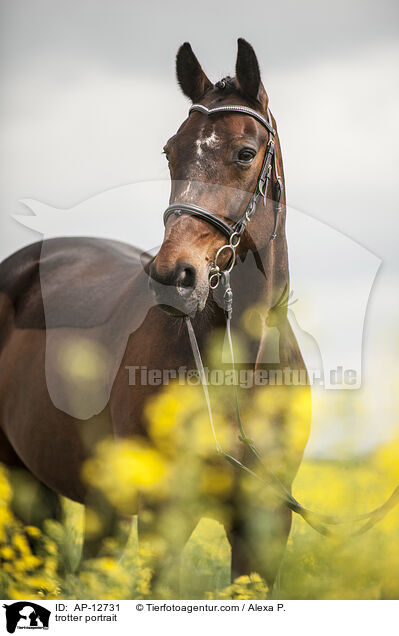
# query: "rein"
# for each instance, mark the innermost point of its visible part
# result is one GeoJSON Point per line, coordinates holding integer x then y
{"type": "Point", "coordinates": [317, 521]}
{"type": "Point", "coordinates": [221, 275]}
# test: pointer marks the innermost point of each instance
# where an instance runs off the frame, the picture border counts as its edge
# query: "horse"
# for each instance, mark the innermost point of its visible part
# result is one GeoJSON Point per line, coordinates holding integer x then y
{"type": "Point", "coordinates": [227, 183]}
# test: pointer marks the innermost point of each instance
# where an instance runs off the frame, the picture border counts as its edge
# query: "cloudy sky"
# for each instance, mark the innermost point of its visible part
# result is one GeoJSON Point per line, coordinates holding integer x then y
{"type": "Point", "coordinates": [88, 98]}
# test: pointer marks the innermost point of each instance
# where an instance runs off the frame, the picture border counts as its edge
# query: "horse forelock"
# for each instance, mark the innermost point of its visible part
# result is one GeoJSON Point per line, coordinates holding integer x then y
{"type": "Point", "coordinates": [228, 86]}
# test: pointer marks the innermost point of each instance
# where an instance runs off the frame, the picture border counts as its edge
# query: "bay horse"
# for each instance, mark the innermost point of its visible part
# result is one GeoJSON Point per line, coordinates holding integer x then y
{"type": "Point", "coordinates": [226, 170]}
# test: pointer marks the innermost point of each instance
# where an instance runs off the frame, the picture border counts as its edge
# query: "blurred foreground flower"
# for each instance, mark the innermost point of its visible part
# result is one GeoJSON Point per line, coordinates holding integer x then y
{"type": "Point", "coordinates": [123, 468]}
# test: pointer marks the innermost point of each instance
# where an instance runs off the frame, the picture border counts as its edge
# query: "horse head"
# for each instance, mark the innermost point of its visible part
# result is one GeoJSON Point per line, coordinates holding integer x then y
{"type": "Point", "coordinates": [216, 160]}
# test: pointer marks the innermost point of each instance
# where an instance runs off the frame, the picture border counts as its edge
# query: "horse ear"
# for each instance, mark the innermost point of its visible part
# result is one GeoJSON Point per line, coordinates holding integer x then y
{"type": "Point", "coordinates": [248, 73]}
{"type": "Point", "coordinates": [192, 79]}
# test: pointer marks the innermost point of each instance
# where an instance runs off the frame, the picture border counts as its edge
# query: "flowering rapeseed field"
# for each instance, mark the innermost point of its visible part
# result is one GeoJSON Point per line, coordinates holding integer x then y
{"type": "Point", "coordinates": [179, 457]}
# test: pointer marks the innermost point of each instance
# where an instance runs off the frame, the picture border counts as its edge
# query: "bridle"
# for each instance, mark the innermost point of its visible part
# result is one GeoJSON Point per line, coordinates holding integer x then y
{"type": "Point", "coordinates": [219, 274]}
{"type": "Point", "coordinates": [234, 232]}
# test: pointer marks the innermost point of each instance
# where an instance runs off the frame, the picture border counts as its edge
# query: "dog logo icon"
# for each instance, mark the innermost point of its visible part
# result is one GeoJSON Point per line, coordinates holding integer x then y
{"type": "Point", "coordinates": [26, 615]}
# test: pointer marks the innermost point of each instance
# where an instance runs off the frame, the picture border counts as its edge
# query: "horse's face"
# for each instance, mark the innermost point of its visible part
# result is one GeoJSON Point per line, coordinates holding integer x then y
{"type": "Point", "coordinates": [214, 163]}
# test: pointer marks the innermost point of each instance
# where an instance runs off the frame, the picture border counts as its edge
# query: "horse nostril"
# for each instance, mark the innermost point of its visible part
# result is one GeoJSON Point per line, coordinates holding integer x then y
{"type": "Point", "coordinates": [185, 278]}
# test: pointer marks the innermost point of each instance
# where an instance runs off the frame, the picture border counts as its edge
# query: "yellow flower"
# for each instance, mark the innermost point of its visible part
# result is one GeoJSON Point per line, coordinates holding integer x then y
{"type": "Point", "coordinates": [20, 542]}
{"type": "Point", "coordinates": [7, 553]}
{"type": "Point", "coordinates": [5, 488]}
{"type": "Point", "coordinates": [246, 587]}
{"type": "Point", "coordinates": [122, 468]}
{"type": "Point", "coordinates": [387, 459]}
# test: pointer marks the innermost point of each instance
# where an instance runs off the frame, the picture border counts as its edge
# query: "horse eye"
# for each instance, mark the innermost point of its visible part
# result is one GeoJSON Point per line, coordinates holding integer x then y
{"type": "Point", "coordinates": [246, 155]}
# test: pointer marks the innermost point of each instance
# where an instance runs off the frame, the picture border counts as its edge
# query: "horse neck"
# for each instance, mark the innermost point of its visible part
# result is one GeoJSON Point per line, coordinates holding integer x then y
{"type": "Point", "coordinates": [263, 278]}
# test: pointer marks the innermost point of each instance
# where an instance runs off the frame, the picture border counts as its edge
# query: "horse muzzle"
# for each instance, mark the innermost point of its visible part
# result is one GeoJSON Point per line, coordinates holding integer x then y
{"type": "Point", "coordinates": [177, 291]}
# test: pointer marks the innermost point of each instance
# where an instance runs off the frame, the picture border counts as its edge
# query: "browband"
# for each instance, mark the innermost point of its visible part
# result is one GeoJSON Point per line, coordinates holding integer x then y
{"type": "Point", "coordinates": [244, 110]}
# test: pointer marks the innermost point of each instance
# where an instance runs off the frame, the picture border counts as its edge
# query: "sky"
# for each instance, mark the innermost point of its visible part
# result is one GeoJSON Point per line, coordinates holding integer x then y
{"type": "Point", "coordinates": [88, 97]}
